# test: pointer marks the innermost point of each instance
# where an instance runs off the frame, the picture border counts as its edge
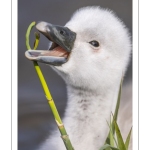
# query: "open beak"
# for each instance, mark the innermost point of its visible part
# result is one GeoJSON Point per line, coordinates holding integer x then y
{"type": "Point", "coordinates": [62, 43]}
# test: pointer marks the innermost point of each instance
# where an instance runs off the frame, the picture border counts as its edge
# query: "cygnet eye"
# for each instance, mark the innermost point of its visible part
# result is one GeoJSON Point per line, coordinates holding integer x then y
{"type": "Point", "coordinates": [94, 43]}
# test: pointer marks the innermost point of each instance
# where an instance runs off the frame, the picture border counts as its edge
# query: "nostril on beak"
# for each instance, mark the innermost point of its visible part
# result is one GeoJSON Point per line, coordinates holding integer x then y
{"type": "Point", "coordinates": [62, 32]}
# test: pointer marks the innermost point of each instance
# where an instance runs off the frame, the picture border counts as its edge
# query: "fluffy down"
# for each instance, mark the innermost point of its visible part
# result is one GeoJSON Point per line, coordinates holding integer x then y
{"type": "Point", "coordinates": [92, 75]}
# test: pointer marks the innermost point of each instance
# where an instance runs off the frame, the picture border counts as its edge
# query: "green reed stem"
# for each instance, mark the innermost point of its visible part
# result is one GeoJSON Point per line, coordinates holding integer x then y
{"type": "Point", "coordinates": [50, 100]}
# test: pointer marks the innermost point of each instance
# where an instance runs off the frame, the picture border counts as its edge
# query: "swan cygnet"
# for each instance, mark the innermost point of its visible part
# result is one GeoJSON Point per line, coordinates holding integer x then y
{"type": "Point", "coordinates": [91, 53]}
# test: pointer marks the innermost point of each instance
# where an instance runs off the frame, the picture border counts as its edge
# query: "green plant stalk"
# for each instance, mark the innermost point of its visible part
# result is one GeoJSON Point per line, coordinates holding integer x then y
{"type": "Point", "coordinates": [106, 146]}
{"type": "Point", "coordinates": [51, 103]}
{"type": "Point", "coordinates": [121, 144]}
{"type": "Point", "coordinates": [128, 139]}
{"type": "Point", "coordinates": [118, 101]}
{"type": "Point", "coordinates": [110, 135]}
{"type": "Point", "coordinates": [37, 38]}
{"type": "Point", "coordinates": [113, 141]}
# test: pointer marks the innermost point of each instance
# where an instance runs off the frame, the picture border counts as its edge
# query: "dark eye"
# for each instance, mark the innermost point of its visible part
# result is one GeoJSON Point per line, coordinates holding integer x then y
{"type": "Point", "coordinates": [94, 43]}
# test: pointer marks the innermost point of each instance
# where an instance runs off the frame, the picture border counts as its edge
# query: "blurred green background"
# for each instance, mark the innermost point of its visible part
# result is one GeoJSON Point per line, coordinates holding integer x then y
{"type": "Point", "coordinates": [35, 120]}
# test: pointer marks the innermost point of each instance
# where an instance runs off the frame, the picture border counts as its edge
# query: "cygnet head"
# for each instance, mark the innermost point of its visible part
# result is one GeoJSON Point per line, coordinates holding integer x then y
{"type": "Point", "coordinates": [99, 48]}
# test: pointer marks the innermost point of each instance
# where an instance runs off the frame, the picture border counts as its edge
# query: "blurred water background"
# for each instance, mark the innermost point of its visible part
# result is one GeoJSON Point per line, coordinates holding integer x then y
{"type": "Point", "coordinates": [35, 119]}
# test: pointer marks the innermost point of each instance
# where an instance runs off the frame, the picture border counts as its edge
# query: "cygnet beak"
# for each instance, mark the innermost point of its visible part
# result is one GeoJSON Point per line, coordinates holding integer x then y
{"type": "Point", "coordinates": [62, 43]}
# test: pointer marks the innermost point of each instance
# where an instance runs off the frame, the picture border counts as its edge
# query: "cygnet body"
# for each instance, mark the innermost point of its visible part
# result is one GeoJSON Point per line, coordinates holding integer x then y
{"type": "Point", "coordinates": [98, 57]}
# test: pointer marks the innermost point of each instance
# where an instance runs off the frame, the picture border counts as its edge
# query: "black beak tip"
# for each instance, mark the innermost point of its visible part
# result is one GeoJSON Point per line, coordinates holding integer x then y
{"type": "Point", "coordinates": [41, 26]}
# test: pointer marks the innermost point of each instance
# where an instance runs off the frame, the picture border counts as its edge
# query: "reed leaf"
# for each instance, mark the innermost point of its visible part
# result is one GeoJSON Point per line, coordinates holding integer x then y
{"type": "Point", "coordinates": [128, 139]}
{"type": "Point", "coordinates": [109, 137]}
{"type": "Point", "coordinates": [121, 144]}
{"type": "Point", "coordinates": [112, 136]}
{"type": "Point", "coordinates": [106, 146]}
{"type": "Point", "coordinates": [115, 116]}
